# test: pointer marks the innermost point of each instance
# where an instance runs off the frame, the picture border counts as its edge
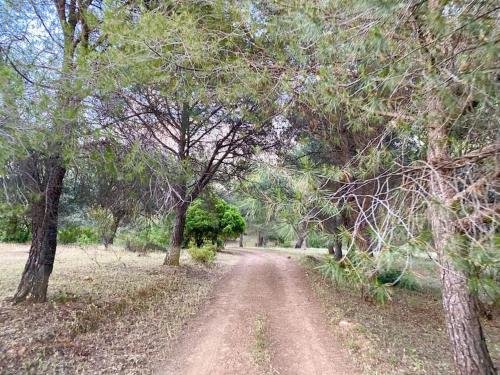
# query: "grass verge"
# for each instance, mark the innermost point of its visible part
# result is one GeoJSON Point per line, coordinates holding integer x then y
{"type": "Point", "coordinates": [406, 336]}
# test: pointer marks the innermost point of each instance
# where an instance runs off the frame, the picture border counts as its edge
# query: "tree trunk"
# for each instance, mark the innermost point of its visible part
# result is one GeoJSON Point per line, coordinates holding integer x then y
{"type": "Point", "coordinates": [335, 249]}
{"type": "Point", "coordinates": [461, 310]}
{"type": "Point", "coordinates": [174, 252]}
{"type": "Point", "coordinates": [300, 242]}
{"type": "Point", "coordinates": [110, 237]}
{"type": "Point", "coordinates": [241, 240]}
{"type": "Point", "coordinates": [260, 239]}
{"type": "Point", "coordinates": [44, 214]}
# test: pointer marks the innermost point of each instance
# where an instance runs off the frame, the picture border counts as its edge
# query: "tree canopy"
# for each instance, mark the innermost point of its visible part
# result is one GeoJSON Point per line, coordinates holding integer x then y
{"type": "Point", "coordinates": [212, 220]}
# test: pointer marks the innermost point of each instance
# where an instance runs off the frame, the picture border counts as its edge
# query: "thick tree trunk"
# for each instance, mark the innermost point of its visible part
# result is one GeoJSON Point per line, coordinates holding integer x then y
{"type": "Point", "coordinates": [241, 240]}
{"type": "Point", "coordinates": [174, 252]}
{"type": "Point", "coordinates": [461, 310]}
{"type": "Point", "coordinates": [44, 211]}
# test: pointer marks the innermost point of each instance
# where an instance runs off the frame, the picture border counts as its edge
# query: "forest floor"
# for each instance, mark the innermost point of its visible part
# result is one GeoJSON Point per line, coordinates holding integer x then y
{"type": "Point", "coordinates": [405, 336]}
{"type": "Point", "coordinates": [108, 311]}
{"type": "Point", "coordinates": [253, 312]}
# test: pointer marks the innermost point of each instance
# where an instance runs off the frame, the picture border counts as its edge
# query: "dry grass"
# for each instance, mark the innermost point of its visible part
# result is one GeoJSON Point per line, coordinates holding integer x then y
{"type": "Point", "coordinates": [262, 346]}
{"type": "Point", "coordinates": [108, 312]}
{"type": "Point", "coordinates": [407, 336]}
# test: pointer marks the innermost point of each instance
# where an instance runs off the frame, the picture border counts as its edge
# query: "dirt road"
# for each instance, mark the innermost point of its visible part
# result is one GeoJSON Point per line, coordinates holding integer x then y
{"type": "Point", "coordinates": [263, 318]}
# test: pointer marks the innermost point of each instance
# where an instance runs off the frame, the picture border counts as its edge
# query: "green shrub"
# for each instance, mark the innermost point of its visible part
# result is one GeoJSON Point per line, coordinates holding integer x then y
{"type": "Point", "coordinates": [334, 271]}
{"type": "Point", "coordinates": [317, 240]}
{"type": "Point", "coordinates": [68, 234]}
{"type": "Point", "coordinates": [146, 234]}
{"type": "Point", "coordinates": [87, 236]}
{"type": "Point", "coordinates": [14, 224]}
{"type": "Point", "coordinates": [380, 293]}
{"type": "Point", "coordinates": [77, 234]}
{"type": "Point", "coordinates": [359, 271]}
{"type": "Point", "coordinates": [205, 254]}
{"type": "Point", "coordinates": [212, 220]}
{"type": "Point", "coordinates": [397, 278]}
{"type": "Point", "coordinates": [157, 233]}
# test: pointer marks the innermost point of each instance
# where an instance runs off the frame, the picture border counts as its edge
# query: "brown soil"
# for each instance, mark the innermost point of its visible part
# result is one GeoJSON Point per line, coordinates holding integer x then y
{"type": "Point", "coordinates": [262, 286]}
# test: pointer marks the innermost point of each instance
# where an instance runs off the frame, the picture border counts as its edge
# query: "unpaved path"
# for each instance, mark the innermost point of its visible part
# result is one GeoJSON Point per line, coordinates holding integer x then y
{"type": "Point", "coordinates": [272, 289]}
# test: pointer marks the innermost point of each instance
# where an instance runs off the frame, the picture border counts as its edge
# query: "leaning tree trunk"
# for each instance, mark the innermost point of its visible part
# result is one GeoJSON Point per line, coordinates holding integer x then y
{"type": "Point", "coordinates": [460, 305]}
{"type": "Point", "coordinates": [300, 242]}
{"type": "Point", "coordinates": [109, 238]}
{"type": "Point", "coordinates": [44, 213]}
{"type": "Point", "coordinates": [174, 252]}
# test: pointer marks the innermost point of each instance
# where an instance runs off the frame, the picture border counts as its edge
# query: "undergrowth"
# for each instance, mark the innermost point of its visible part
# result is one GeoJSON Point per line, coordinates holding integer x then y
{"type": "Point", "coordinates": [361, 271]}
{"type": "Point", "coordinates": [205, 254]}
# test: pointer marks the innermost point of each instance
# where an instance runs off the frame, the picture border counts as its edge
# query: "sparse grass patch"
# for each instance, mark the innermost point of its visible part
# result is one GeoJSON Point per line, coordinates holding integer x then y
{"type": "Point", "coordinates": [261, 349]}
{"type": "Point", "coordinates": [261, 353]}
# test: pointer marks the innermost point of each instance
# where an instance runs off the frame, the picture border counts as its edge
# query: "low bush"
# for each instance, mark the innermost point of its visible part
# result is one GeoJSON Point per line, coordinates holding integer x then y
{"type": "Point", "coordinates": [359, 270]}
{"type": "Point", "coordinates": [205, 254]}
{"type": "Point", "coordinates": [317, 240]}
{"type": "Point", "coordinates": [146, 234]}
{"type": "Point", "coordinates": [398, 278]}
{"type": "Point", "coordinates": [77, 234]}
{"type": "Point", "coordinates": [14, 224]}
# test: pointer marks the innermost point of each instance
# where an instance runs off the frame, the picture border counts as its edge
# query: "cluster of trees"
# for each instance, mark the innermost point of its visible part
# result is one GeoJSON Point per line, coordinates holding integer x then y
{"type": "Point", "coordinates": [376, 121]}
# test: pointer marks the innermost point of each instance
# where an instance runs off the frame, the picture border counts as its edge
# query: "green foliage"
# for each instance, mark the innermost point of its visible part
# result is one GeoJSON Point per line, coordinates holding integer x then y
{"type": "Point", "coordinates": [359, 270]}
{"type": "Point", "coordinates": [14, 224]}
{"type": "Point", "coordinates": [157, 233]}
{"type": "Point", "coordinates": [214, 221]}
{"type": "Point", "coordinates": [333, 270]}
{"type": "Point", "coordinates": [395, 277]}
{"type": "Point", "coordinates": [482, 264]}
{"type": "Point", "coordinates": [205, 254]}
{"type": "Point", "coordinates": [231, 223]}
{"type": "Point", "coordinates": [104, 222]}
{"type": "Point", "coordinates": [146, 234]}
{"type": "Point", "coordinates": [317, 239]}
{"type": "Point", "coordinates": [78, 234]}
{"type": "Point", "coordinates": [201, 223]}
{"type": "Point", "coordinates": [379, 292]}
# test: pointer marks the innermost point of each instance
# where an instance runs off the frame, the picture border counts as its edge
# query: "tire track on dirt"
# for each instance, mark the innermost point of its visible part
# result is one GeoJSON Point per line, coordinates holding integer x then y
{"type": "Point", "coordinates": [220, 340]}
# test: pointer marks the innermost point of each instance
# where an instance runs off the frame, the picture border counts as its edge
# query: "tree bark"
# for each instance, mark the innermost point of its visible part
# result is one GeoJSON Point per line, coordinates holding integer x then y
{"type": "Point", "coordinates": [300, 242]}
{"type": "Point", "coordinates": [110, 237]}
{"type": "Point", "coordinates": [460, 306]}
{"type": "Point", "coordinates": [335, 249]}
{"type": "Point", "coordinates": [174, 252]}
{"type": "Point", "coordinates": [241, 240]}
{"type": "Point", "coordinates": [48, 176]}
{"type": "Point", "coordinates": [260, 239]}
{"type": "Point", "coordinates": [44, 214]}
